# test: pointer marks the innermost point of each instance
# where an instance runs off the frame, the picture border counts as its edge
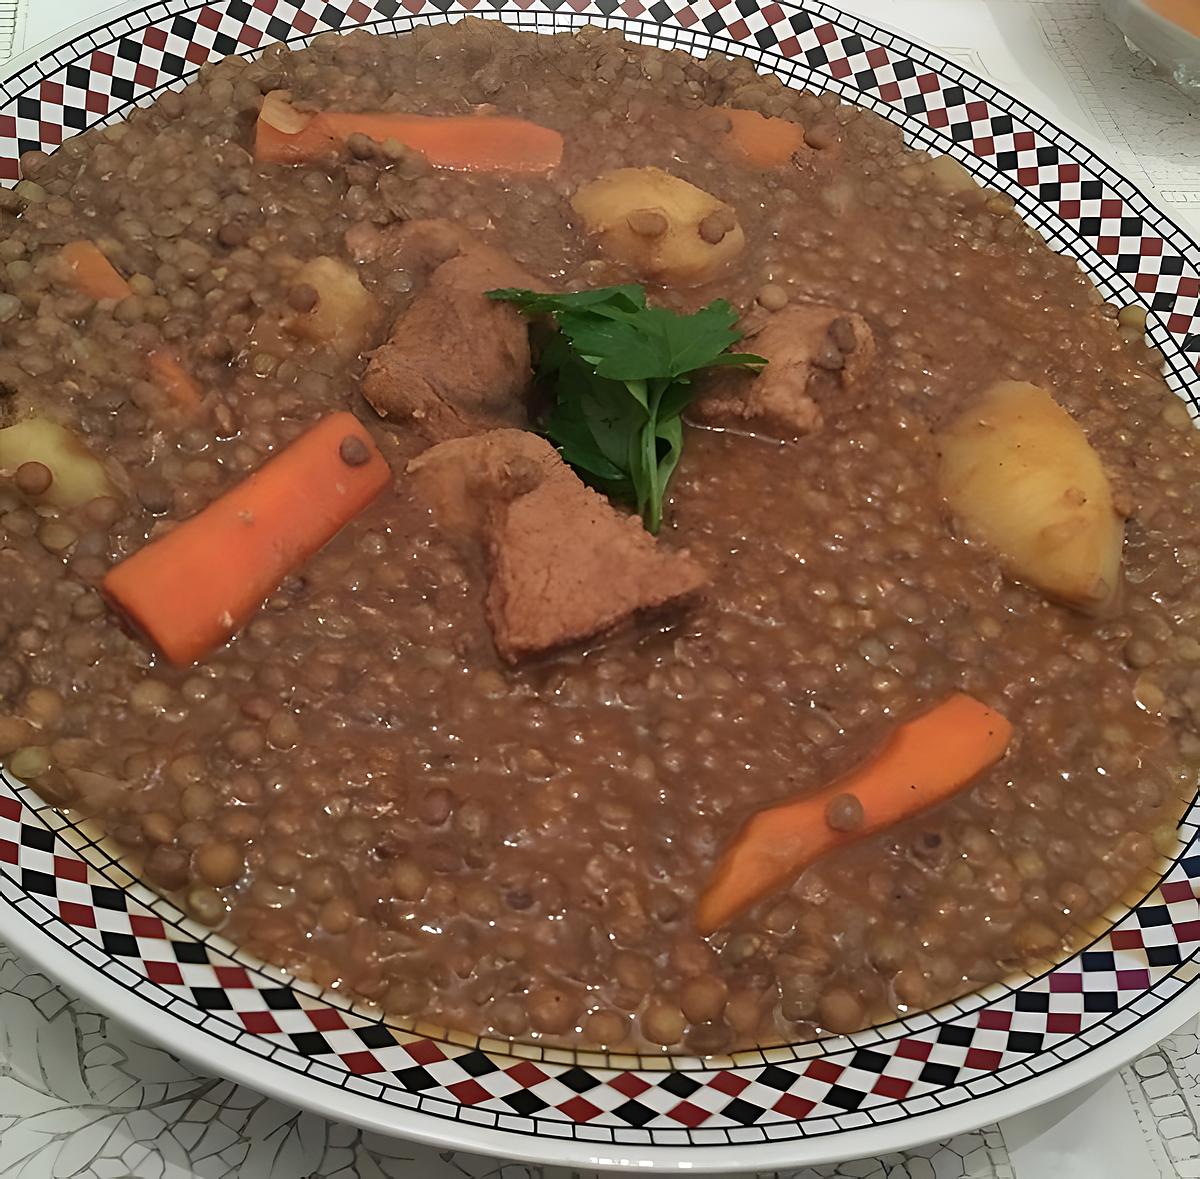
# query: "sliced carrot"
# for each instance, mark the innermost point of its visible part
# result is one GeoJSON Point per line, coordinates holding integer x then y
{"type": "Point", "coordinates": [762, 141]}
{"type": "Point", "coordinates": [923, 763]}
{"type": "Point", "coordinates": [193, 588]}
{"type": "Point", "coordinates": [92, 273]}
{"type": "Point", "coordinates": [175, 381]}
{"type": "Point", "coordinates": [465, 143]}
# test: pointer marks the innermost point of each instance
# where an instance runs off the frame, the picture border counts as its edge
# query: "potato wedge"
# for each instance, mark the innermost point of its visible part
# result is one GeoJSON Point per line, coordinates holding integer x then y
{"type": "Point", "coordinates": [952, 176]}
{"type": "Point", "coordinates": [78, 477]}
{"type": "Point", "coordinates": [1017, 470]}
{"type": "Point", "coordinates": [666, 229]}
{"type": "Point", "coordinates": [345, 311]}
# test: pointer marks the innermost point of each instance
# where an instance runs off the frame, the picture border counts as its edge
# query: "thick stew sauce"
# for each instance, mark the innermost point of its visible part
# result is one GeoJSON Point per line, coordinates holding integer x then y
{"type": "Point", "coordinates": [527, 665]}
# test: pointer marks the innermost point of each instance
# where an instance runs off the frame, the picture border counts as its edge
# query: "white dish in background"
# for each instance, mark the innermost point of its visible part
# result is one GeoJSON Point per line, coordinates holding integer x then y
{"type": "Point", "coordinates": [1174, 51]}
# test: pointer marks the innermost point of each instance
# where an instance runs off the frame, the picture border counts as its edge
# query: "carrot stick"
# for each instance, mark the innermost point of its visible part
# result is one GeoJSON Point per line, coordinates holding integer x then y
{"type": "Point", "coordinates": [175, 381]}
{"type": "Point", "coordinates": [465, 143]}
{"type": "Point", "coordinates": [762, 141]}
{"type": "Point", "coordinates": [191, 589]}
{"type": "Point", "coordinates": [923, 763]}
{"type": "Point", "coordinates": [92, 273]}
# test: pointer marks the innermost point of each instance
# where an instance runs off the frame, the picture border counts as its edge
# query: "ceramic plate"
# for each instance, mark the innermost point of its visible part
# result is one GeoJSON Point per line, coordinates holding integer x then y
{"type": "Point", "coordinates": [69, 907]}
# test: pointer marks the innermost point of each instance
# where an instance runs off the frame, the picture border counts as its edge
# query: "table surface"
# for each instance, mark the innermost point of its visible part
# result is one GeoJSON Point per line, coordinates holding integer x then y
{"type": "Point", "coordinates": [80, 1096]}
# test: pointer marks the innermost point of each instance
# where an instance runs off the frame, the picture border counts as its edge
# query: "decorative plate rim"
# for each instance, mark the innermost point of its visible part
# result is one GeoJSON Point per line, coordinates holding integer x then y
{"type": "Point", "coordinates": [29, 931]}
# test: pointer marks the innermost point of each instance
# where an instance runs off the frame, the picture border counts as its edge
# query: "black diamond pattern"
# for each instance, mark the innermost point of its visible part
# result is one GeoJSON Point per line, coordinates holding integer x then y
{"type": "Point", "coordinates": [211, 998]}
{"type": "Point", "coordinates": [957, 1035]}
{"type": "Point", "coordinates": [1163, 955]}
{"type": "Point", "coordinates": [280, 999]}
{"type": "Point", "coordinates": [475, 1064]}
{"type": "Point", "coordinates": [680, 1084]}
{"type": "Point", "coordinates": [1024, 1042]}
{"type": "Point", "coordinates": [40, 882]}
{"type": "Point", "coordinates": [1100, 1001]}
{"type": "Point", "coordinates": [112, 899]}
{"type": "Point", "coordinates": [744, 1113]}
{"type": "Point", "coordinates": [123, 945]}
{"type": "Point", "coordinates": [415, 1079]}
{"type": "Point", "coordinates": [1097, 960]}
{"type": "Point", "coordinates": [375, 1035]}
{"type": "Point", "coordinates": [192, 952]}
{"type": "Point", "coordinates": [578, 1080]}
{"type": "Point", "coordinates": [776, 1078]}
{"type": "Point", "coordinates": [525, 1103]}
{"type": "Point", "coordinates": [868, 1061]}
{"type": "Point", "coordinates": [1033, 1001]}
{"type": "Point", "coordinates": [37, 838]}
{"type": "Point", "coordinates": [844, 1098]}
{"type": "Point", "coordinates": [635, 1113]}
{"type": "Point", "coordinates": [310, 1043]}
{"type": "Point", "coordinates": [938, 1074]}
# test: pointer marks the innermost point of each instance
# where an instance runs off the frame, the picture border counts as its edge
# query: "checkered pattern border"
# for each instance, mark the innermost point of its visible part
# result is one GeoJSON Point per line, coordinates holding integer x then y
{"type": "Point", "coordinates": [1086, 208]}
{"type": "Point", "coordinates": [53, 876]}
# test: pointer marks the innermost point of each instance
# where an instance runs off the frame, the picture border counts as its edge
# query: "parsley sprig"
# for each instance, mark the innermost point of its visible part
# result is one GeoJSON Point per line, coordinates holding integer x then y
{"type": "Point", "coordinates": [619, 375]}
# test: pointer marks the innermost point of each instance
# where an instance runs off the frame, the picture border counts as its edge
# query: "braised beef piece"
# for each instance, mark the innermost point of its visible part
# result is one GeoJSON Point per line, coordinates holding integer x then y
{"type": "Point", "coordinates": [564, 564]}
{"type": "Point", "coordinates": [457, 361]}
{"type": "Point", "coordinates": [817, 357]}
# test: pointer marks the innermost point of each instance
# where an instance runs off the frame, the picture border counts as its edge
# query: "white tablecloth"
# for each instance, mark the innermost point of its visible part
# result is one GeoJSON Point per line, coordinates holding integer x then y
{"type": "Point", "coordinates": [81, 1097]}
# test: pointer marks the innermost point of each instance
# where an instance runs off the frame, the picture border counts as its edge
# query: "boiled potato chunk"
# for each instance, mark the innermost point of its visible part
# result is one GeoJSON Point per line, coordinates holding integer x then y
{"type": "Point", "coordinates": [77, 476]}
{"type": "Point", "coordinates": [666, 229]}
{"type": "Point", "coordinates": [344, 312]}
{"type": "Point", "coordinates": [1017, 470]}
{"type": "Point", "coordinates": [952, 176]}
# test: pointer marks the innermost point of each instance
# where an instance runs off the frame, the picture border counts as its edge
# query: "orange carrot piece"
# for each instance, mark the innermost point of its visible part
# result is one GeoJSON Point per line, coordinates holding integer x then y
{"type": "Point", "coordinates": [92, 273]}
{"type": "Point", "coordinates": [762, 141]}
{"type": "Point", "coordinates": [465, 143]}
{"type": "Point", "coordinates": [923, 763]}
{"type": "Point", "coordinates": [191, 589]}
{"type": "Point", "coordinates": [175, 381]}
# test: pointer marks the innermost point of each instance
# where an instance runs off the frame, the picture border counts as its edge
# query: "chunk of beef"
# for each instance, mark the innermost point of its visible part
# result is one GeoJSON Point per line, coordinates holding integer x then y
{"type": "Point", "coordinates": [817, 357]}
{"type": "Point", "coordinates": [418, 246]}
{"type": "Point", "coordinates": [564, 564]}
{"type": "Point", "coordinates": [456, 361]}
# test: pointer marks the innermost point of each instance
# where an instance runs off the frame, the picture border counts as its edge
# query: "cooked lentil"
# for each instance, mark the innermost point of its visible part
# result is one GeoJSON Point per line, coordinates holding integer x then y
{"type": "Point", "coordinates": [358, 790]}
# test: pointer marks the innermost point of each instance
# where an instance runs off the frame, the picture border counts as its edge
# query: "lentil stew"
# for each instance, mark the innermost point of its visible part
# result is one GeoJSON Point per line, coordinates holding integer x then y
{"type": "Point", "coordinates": [458, 736]}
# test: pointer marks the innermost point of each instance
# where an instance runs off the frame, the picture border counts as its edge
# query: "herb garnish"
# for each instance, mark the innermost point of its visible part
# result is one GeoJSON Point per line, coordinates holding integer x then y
{"type": "Point", "coordinates": [620, 376]}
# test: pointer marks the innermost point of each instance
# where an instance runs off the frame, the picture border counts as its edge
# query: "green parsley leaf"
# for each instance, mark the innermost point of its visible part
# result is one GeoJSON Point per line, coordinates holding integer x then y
{"type": "Point", "coordinates": [619, 374]}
